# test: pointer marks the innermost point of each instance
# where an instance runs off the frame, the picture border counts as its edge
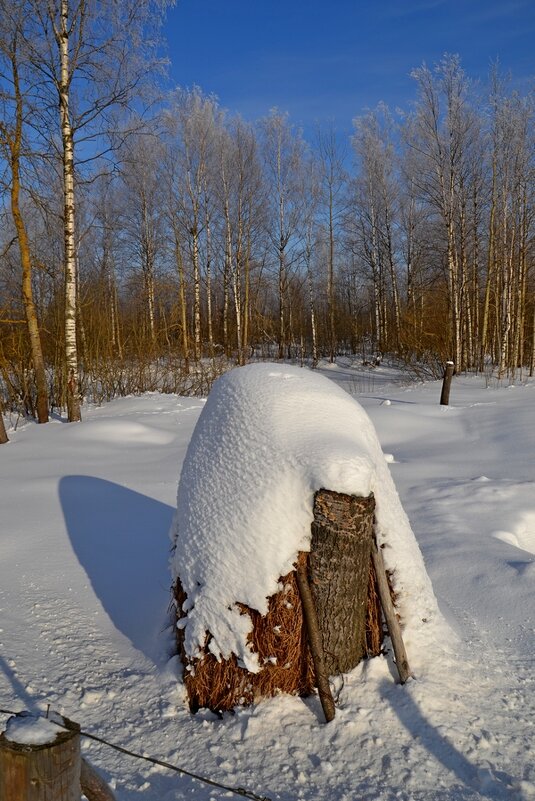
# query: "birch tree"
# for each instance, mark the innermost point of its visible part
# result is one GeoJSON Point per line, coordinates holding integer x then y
{"type": "Point", "coordinates": [241, 199]}
{"type": "Point", "coordinates": [91, 57]}
{"type": "Point", "coordinates": [173, 188]}
{"type": "Point", "coordinates": [142, 214]}
{"type": "Point", "coordinates": [333, 184]}
{"type": "Point", "coordinates": [105, 203]}
{"type": "Point", "coordinates": [377, 217]}
{"type": "Point", "coordinates": [442, 132]}
{"type": "Point", "coordinates": [510, 228]}
{"type": "Point", "coordinates": [283, 152]}
{"type": "Point", "coordinates": [191, 125]}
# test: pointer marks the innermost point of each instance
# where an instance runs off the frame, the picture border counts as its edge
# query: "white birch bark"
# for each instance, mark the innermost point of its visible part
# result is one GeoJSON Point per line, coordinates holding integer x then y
{"type": "Point", "coordinates": [147, 259]}
{"type": "Point", "coordinates": [71, 347]}
{"type": "Point", "coordinates": [197, 344]}
{"type": "Point", "coordinates": [208, 274]}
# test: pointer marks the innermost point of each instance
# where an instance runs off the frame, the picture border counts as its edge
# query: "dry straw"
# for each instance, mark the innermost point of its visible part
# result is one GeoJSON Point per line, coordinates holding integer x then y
{"type": "Point", "coordinates": [279, 639]}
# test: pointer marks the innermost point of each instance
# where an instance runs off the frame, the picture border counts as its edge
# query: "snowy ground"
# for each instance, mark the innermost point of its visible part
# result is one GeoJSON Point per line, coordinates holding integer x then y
{"type": "Point", "coordinates": [84, 577]}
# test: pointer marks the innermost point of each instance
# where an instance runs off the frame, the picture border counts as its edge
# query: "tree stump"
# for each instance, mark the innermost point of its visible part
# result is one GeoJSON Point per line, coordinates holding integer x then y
{"type": "Point", "coordinates": [339, 571]}
{"type": "Point", "coordinates": [343, 585]}
{"type": "Point", "coordinates": [46, 772]}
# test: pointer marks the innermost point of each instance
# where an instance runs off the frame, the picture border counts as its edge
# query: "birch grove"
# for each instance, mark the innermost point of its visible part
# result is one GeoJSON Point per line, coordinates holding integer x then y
{"type": "Point", "coordinates": [194, 240]}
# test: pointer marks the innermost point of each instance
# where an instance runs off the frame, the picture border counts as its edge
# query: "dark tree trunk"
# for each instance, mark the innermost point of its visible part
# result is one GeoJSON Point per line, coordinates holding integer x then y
{"type": "Point", "coordinates": [339, 570]}
{"type": "Point", "coordinates": [3, 434]}
{"type": "Point", "coordinates": [446, 384]}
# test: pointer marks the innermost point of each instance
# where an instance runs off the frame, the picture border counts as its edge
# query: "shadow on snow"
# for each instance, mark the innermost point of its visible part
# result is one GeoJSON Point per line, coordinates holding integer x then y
{"type": "Point", "coordinates": [121, 540]}
{"type": "Point", "coordinates": [486, 783]}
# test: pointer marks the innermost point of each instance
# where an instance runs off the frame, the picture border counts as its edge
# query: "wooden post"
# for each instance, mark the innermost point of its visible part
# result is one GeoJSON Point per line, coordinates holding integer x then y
{"type": "Point", "coordinates": [340, 553]}
{"type": "Point", "coordinates": [93, 785]}
{"type": "Point", "coordinates": [3, 434]}
{"type": "Point", "coordinates": [315, 642]}
{"type": "Point", "coordinates": [394, 629]}
{"type": "Point", "coordinates": [446, 384]}
{"type": "Point", "coordinates": [46, 772]}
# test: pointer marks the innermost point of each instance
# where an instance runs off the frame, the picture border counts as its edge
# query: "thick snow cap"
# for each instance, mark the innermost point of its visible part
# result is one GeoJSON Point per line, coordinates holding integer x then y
{"type": "Point", "coordinates": [267, 439]}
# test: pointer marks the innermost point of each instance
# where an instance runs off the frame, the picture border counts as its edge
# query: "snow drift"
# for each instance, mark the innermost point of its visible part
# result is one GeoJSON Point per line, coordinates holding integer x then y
{"type": "Point", "coordinates": [267, 439]}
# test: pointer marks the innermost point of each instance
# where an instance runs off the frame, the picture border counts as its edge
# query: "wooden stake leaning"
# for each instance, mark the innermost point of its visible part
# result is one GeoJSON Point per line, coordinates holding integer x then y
{"type": "Point", "coordinates": [392, 622]}
{"type": "Point", "coordinates": [93, 785]}
{"type": "Point", "coordinates": [315, 641]}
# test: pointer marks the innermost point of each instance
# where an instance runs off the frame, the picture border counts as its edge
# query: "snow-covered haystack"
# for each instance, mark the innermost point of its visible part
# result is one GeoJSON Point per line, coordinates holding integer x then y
{"type": "Point", "coordinates": [268, 438]}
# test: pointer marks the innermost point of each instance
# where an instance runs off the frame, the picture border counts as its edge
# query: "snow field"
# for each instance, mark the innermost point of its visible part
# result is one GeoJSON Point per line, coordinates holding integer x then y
{"type": "Point", "coordinates": [84, 589]}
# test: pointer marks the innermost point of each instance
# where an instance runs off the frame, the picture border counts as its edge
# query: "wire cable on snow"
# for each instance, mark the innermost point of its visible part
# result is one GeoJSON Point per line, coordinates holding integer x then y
{"type": "Point", "coordinates": [241, 791]}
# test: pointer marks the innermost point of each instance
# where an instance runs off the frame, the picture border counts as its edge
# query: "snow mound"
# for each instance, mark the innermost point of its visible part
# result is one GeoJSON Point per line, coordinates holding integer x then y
{"type": "Point", "coordinates": [267, 439]}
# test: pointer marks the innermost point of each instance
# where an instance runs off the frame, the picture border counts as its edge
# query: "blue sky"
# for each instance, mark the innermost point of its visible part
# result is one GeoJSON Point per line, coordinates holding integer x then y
{"type": "Point", "coordinates": [324, 60]}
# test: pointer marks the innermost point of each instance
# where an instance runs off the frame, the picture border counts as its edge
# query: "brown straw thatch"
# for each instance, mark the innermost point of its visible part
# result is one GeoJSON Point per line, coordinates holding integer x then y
{"type": "Point", "coordinates": [279, 639]}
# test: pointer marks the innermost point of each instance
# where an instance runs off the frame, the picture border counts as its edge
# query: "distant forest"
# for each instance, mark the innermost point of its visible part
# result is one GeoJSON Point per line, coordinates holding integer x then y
{"type": "Point", "coordinates": [149, 239]}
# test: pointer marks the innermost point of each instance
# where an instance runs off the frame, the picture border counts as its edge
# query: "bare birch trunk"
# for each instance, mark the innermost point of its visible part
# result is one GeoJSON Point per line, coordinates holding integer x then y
{"type": "Point", "coordinates": [282, 278]}
{"type": "Point", "coordinates": [453, 285]}
{"type": "Point", "coordinates": [236, 293]}
{"type": "Point", "coordinates": [330, 281]}
{"type": "Point", "coordinates": [465, 298]}
{"type": "Point", "coordinates": [312, 313]}
{"type": "Point", "coordinates": [506, 295]}
{"type": "Point", "coordinates": [246, 300]}
{"type": "Point", "coordinates": [226, 284]}
{"type": "Point", "coordinates": [182, 301]}
{"type": "Point", "coordinates": [393, 276]}
{"type": "Point", "coordinates": [475, 281]}
{"type": "Point", "coordinates": [237, 285]}
{"type": "Point", "coordinates": [377, 293]}
{"type": "Point", "coordinates": [485, 346]}
{"type": "Point", "coordinates": [208, 272]}
{"type": "Point", "coordinates": [197, 343]}
{"type": "Point", "coordinates": [147, 246]}
{"type": "Point", "coordinates": [517, 357]}
{"type": "Point", "coordinates": [114, 312]}
{"type": "Point", "coordinates": [71, 348]}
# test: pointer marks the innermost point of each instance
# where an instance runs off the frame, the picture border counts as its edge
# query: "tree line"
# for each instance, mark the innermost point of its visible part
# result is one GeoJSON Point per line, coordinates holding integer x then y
{"type": "Point", "coordinates": [150, 239]}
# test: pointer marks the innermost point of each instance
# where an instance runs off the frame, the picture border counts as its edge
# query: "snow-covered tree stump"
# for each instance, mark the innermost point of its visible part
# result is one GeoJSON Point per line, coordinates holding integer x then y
{"type": "Point", "coordinates": [276, 449]}
{"type": "Point", "coordinates": [40, 765]}
{"type": "Point", "coordinates": [343, 585]}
